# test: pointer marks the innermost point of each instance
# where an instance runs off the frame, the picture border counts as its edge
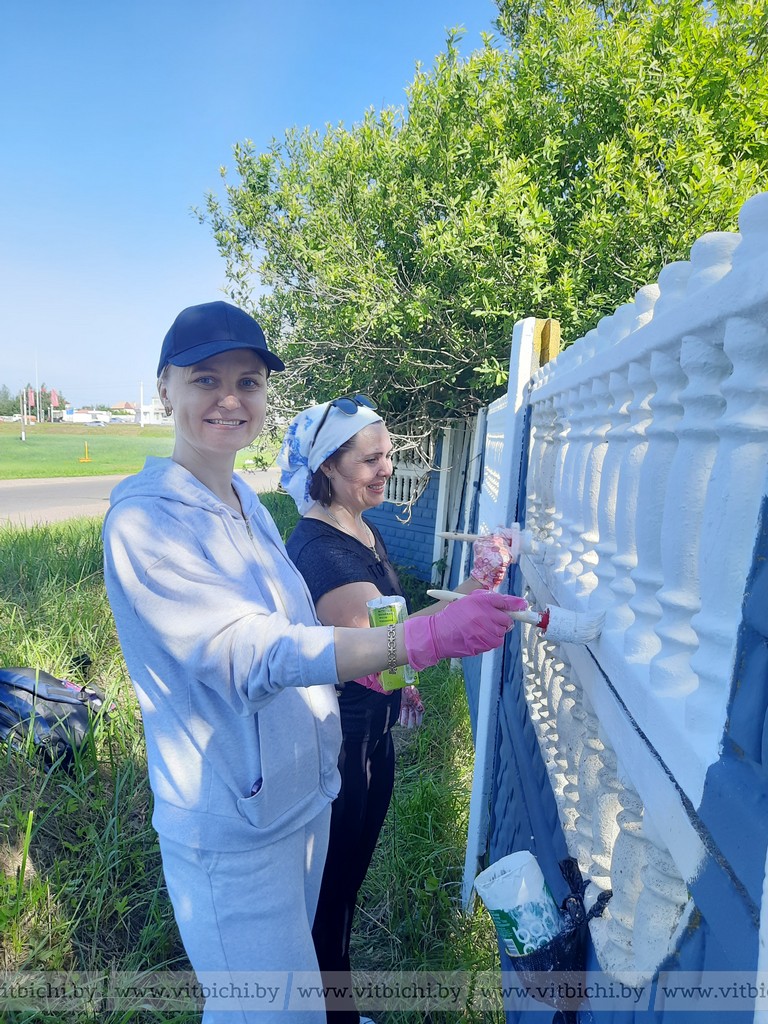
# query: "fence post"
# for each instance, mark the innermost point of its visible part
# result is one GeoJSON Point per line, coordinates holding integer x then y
{"type": "Point", "coordinates": [532, 340]}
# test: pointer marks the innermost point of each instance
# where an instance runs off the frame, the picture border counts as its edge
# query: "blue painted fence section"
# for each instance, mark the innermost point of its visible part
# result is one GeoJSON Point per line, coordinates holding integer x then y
{"type": "Point", "coordinates": [652, 768]}
{"type": "Point", "coordinates": [714, 938]}
{"type": "Point", "coordinates": [733, 812]}
{"type": "Point", "coordinates": [735, 807]}
{"type": "Point", "coordinates": [524, 816]}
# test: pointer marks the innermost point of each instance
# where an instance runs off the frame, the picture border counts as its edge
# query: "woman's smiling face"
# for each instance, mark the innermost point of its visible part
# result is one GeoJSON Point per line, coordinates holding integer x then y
{"type": "Point", "coordinates": [359, 474]}
{"type": "Point", "coordinates": [218, 404]}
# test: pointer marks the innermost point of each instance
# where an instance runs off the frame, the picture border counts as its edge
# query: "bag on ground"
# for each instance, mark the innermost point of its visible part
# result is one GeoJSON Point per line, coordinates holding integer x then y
{"type": "Point", "coordinates": [54, 716]}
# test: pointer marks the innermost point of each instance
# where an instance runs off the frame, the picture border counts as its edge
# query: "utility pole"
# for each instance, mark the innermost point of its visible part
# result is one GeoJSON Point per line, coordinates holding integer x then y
{"type": "Point", "coordinates": [39, 413]}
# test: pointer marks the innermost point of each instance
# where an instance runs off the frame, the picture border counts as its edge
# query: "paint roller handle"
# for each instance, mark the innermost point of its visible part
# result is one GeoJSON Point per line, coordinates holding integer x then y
{"type": "Point", "coordinates": [517, 540]}
{"type": "Point", "coordinates": [479, 625]}
{"type": "Point", "coordinates": [533, 618]}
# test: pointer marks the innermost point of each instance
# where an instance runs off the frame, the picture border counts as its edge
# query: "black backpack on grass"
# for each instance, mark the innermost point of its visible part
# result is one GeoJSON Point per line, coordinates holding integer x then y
{"type": "Point", "coordinates": [50, 715]}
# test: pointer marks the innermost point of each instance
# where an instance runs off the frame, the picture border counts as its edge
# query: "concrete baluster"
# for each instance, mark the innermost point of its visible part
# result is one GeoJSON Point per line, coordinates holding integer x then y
{"type": "Point", "coordinates": [535, 455]}
{"type": "Point", "coordinates": [731, 519]}
{"type": "Point", "coordinates": [533, 659]}
{"type": "Point", "coordinates": [639, 382]}
{"type": "Point", "coordinates": [601, 405]}
{"type": "Point", "coordinates": [555, 683]}
{"type": "Point", "coordinates": [569, 566]}
{"type": "Point", "coordinates": [569, 719]}
{"type": "Point", "coordinates": [539, 452]}
{"type": "Point", "coordinates": [548, 723]}
{"type": "Point", "coordinates": [548, 466]}
{"type": "Point", "coordinates": [605, 826]}
{"type": "Point", "coordinates": [574, 737]}
{"type": "Point", "coordinates": [557, 552]}
{"type": "Point", "coordinates": [616, 440]}
{"type": "Point", "coordinates": [627, 862]}
{"type": "Point", "coordinates": [588, 771]}
{"type": "Point", "coordinates": [660, 903]}
{"type": "Point", "coordinates": [640, 640]}
{"type": "Point", "coordinates": [705, 366]}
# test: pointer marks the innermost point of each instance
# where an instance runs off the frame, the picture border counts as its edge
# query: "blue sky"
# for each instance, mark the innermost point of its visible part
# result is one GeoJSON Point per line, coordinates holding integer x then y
{"type": "Point", "coordinates": [115, 119]}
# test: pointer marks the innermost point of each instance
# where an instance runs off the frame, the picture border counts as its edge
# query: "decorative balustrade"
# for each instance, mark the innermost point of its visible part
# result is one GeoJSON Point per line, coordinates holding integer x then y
{"type": "Point", "coordinates": [406, 483]}
{"type": "Point", "coordinates": [647, 472]}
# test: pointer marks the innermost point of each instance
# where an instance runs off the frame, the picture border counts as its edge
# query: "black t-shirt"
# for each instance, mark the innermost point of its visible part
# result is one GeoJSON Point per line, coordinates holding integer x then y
{"type": "Point", "coordinates": [328, 558]}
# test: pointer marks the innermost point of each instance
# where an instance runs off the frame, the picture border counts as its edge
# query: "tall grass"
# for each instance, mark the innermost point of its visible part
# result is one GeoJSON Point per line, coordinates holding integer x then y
{"type": "Point", "coordinates": [81, 886]}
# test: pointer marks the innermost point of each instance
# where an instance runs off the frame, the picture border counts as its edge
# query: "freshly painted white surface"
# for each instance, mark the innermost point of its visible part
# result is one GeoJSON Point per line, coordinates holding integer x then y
{"type": "Point", "coordinates": [648, 485]}
{"type": "Point", "coordinates": [647, 470]}
{"type": "Point", "coordinates": [503, 452]}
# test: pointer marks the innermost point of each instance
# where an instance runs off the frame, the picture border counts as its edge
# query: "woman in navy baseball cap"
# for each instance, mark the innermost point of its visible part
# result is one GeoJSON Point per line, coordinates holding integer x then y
{"type": "Point", "coordinates": [236, 676]}
{"type": "Point", "coordinates": [211, 328]}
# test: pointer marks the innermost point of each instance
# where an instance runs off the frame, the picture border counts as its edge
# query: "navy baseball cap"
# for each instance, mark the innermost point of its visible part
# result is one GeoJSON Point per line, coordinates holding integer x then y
{"type": "Point", "coordinates": [213, 327]}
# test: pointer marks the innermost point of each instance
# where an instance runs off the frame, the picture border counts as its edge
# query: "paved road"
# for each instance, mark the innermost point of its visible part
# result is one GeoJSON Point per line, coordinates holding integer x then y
{"type": "Point", "coordinates": [26, 502]}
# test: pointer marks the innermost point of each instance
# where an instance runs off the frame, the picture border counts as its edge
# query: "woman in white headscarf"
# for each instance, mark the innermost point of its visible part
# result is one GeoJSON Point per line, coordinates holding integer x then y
{"type": "Point", "coordinates": [336, 460]}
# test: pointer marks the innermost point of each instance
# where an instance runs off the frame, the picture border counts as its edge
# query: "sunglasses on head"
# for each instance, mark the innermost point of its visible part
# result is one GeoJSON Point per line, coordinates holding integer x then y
{"type": "Point", "coordinates": [349, 405]}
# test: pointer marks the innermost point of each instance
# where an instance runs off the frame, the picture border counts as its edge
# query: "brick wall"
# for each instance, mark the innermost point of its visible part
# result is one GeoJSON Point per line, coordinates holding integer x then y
{"type": "Point", "coordinates": [410, 544]}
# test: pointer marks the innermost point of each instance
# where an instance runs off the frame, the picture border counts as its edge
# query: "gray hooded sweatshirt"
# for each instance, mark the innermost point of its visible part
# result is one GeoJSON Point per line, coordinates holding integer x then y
{"type": "Point", "coordinates": [234, 674]}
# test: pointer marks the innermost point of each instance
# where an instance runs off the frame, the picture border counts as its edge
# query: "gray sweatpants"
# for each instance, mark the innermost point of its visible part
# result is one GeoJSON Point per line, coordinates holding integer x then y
{"type": "Point", "coordinates": [245, 919]}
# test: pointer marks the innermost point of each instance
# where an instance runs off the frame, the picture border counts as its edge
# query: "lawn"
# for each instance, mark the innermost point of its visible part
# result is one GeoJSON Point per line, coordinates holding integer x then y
{"type": "Point", "coordinates": [58, 449]}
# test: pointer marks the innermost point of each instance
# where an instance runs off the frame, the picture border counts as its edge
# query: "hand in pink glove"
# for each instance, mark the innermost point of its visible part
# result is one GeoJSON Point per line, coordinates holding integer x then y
{"type": "Point", "coordinates": [411, 708]}
{"type": "Point", "coordinates": [372, 682]}
{"type": "Point", "coordinates": [476, 623]}
{"type": "Point", "coordinates": [492, 558]}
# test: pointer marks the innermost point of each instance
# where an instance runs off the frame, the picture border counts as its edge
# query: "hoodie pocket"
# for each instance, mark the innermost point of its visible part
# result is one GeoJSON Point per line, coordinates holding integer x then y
{"type": "Point", "coordinates": [290, 763]}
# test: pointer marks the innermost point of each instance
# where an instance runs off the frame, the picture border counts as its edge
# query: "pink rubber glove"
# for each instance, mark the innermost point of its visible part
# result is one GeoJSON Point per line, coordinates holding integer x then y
{"type": "Point", "coordinates": [492, 558]}
{"type": "Point", "coordinates": [411, 708]}
{"type": "Point", "coordinates": [372, 683]}
{"type": "Point", "coordinates": [476, 623]}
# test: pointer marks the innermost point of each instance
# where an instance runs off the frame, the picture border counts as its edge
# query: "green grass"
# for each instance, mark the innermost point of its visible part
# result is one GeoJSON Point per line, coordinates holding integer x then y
{"type": "Point", "coordinates": [282, 508]}
{"type": "Point", "coordinates": [410, 917]}
{"type": "Point", "coordinates": [56, 449]}
{"type": "Point", "coordinates": [81, 886]}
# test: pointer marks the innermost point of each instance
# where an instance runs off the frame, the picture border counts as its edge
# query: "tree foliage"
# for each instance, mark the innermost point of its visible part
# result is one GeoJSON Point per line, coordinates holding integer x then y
{"type": "Point", "coordinates": [9, 400]}
{"type": "Point", "coordinates": [552, 172]}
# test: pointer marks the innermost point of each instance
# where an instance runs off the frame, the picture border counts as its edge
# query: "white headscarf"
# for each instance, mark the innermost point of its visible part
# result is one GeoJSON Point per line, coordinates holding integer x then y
{"type": "Point", "coordinates": [302, 454]}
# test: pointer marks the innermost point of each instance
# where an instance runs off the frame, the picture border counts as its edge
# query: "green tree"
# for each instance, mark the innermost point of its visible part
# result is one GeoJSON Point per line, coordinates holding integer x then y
{"type": "Point", "coordinates": [551, 173]}
{"type": "Point", "coordinates": [9, 402]}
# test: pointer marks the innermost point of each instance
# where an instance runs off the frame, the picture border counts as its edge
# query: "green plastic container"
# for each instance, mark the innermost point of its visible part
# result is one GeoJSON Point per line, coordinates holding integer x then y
{"type": "Point", "coordinates": [388, 611]}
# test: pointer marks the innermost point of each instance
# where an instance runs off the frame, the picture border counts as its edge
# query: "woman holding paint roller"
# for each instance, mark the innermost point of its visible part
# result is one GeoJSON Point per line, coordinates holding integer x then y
{"type": "Point", "coordinates": [234, 673]}
{"type": "Point", "coordinates": [336, 459]}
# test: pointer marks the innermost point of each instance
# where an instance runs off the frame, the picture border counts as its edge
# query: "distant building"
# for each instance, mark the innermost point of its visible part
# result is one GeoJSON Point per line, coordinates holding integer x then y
{"type": "Point", "coordinates": [73, 415]}
{"type": "Point", "coordinates": [125, 412]}
{"type": "Point", "coordinates": [153, 413]}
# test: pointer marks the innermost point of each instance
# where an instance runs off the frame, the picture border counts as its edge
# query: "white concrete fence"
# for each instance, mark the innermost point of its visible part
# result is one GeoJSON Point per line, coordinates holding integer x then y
{"type": "Point", "coordinates": [647, 469]}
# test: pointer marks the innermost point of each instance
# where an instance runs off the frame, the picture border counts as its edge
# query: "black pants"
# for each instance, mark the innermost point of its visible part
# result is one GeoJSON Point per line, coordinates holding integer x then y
{"type": "Point", "coordinates": [367, 766]}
